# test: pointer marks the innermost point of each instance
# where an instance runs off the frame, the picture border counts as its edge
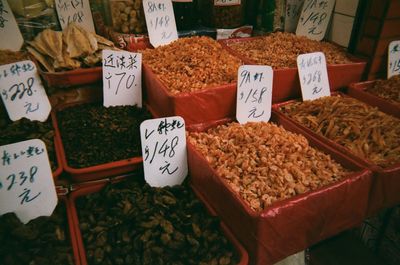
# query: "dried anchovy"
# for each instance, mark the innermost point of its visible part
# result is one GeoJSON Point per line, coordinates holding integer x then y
{"type": "Point", "coordinates": [133, 223]}
{"type": "Point", "coordinates": [280, 50]}
{"type": "Point", "coordinates": [265, 163]}
{"type": "Point", "coordinates": [43, 241]}
{"type": "Point", "coordinates": [363, 129]}
{"type": "Point", "coordinates": [191, 64]}
{"type": "Point", "coordinates": [93, 135]}
{"type": "Point", "coordinates": [387, 89]}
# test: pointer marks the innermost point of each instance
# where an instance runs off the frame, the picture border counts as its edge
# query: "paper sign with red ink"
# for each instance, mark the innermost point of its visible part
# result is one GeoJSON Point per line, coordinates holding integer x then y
{"type": "Point", "coordinates": [9, 32]}
{"type": "Point", "coordinates": [77, 11]}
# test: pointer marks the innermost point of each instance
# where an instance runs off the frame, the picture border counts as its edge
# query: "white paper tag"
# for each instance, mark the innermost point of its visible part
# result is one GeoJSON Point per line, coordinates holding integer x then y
{"type": "Point", "coordinates": [9, 32]}
{"type": "Point", "coordinates": [77, 11]}
{"type": "Point", "coordinates": [164, 151]}
{"type": "Point", "coordinates": [160, 21]}
{"type": "Point", "coordinates": [22, 91]}
{"type": "Point", "coordinates": [227, 2]}
{"type": "Point", "coordinates": [122, 78]}
{"type": "Point", "coordinates": [314, 18]}
{"type": "Point", "coordinates": [26, 181]}
{"type": "Point", "coordinates": [293, 10]}
{"type": "Point", "coordinates": [393, 59]}
{"type": "Point", "coordinates": [254, 93]}
{"type": "Point", "coordinates": [313, 75]}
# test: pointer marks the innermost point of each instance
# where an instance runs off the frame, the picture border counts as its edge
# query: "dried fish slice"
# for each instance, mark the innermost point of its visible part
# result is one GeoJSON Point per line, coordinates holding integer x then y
{"type": "Point", "coordinates": [41, 59]}
{"type": "Point", "coordinates": [53, 43]}
{"type": "Point", "coordinates": [77, 41]}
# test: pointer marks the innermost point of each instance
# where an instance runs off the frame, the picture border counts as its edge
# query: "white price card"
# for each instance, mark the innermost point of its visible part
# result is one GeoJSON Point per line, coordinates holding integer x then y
{"type": "Point", "coordinates": [227, 2]}
{"type": "Point", "coordinates": [122, 78]}
{"type": "Point", "coordinates": [164, 151]}
{"type": "Point", "coordinates": [26, 181]}
{"type": "Point", "coordinates": [314, 18]}
{"type": "Point", "coordinates": [313, 75]}
{"type": "Point", "coordinates": [393, 59]}
{"type": "Point", "coordinates": [254, 93]}
{"type": "Point", "coordinates": [22, 91]}
{"type": "Point", "coordinates": [160, 21]}
{"type": "Point", "coordinates": [9, 32]}
{"type": "Point", "coordinates": [77, 11]}
{"type": "Point", "coordinates": [293, 10]}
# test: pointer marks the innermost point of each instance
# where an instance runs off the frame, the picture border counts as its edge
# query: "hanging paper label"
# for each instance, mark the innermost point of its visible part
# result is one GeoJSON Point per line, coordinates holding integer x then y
{"type": "Point", "coordinates": [164, 151]}
{"type": "Point", "coordinates": [393, 59]}
{"type": "Point", "coordinates": [313, 75]}
{"type": "Point", "coordinates": [9, 31]}
{"type": "Point", "coordinates": [226, 2]}
{"type": "Point", "coordinates": [122, 78]}
{"type": "Point", "coordinates": [22, 91]}
{"type": "Point", "coordinates": [26, 182]}
{"type": "Point", "coordinates": [314, 18]}
{"type": "Point", "coordinates": [160, 21]}
{"type": "Point", "coordinates": [293, 10]}
{"type": "Point", "coordinates": [254, 93]}
{"type": "Point", "coordinates": [77, 11]}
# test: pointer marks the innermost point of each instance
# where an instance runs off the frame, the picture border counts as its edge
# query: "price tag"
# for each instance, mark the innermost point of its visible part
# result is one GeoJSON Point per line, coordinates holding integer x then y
{"type": "Point", "coordinates": [160, 21]}
{"type": "Point", "coordinates": [122, 78]}
{"type": "Point", "coordinates": [227, 2]}
{"type": "Point", "coordinates": [293, 10]}
{"type": "Point", "coordinates": [26, 182]}
{"type": "Point", "coordinates": [22, 91]}
{"type": "Point", "coordinates": [77, 11]}
{"type": "Point", "coordinates": [393, 59]}
{"type": "Point", "coordinates": [164, 151]}
{"type": "Point", "coordinates": [254, 93]}
{"type": "Point", "coordinates": [313, 75]}
{"type": "Point", "coordinates": [9, 31]}
{"type": "Point", "coordinates": [314, 18]}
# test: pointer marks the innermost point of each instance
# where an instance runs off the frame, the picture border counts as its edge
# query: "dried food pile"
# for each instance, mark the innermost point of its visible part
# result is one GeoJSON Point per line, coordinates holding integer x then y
{"type": "Point", "coordinates": [265, 163]}
{"type": "Point", "coordinates": [133, 223]}
{"type": "Point", "coordinates": [280, 50]}
{"type": "Point", "coordinates": [128, 16]}
{"type": "Point", "coordinates": [191, 64]}
{"type": "Point", "coordinates": [387, 89]}
{"type": "Point", "coordinates": [7, 56]}
{"type": "Point", "coordinates": [366, 131]}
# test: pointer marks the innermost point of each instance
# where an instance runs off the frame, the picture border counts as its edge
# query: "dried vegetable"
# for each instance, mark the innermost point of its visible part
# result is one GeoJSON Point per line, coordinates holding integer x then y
{"type": "Point", "coordinates": [387, 89]}
{"type": "Point", "coordinates": [280, 50]}
{"type": "Point", "coordinates": [42, 241]}
{"type": "Point", "coordinates": [7, 56]}
{"type": "Point", "coordinates": [133, 223]}
{"type": "Point", "coordinates": [366, 131]}
{"type": "Point", "coordinates": [191, 64]}
{"type": "Point", "coordinates": [264, 163]}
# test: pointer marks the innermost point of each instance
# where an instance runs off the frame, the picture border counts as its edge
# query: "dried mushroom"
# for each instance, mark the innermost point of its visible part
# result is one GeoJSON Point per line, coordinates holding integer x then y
{"type": "Point", "coordinates": [133, 223]}
{"type": "Point", "coordinates": [387, 89]}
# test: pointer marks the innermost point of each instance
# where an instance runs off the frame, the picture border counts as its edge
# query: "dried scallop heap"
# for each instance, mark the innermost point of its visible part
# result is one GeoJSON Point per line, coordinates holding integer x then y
{"type": "Point", "coordinates": [265, 163]}
{"type": "Point", "coordinates": [280, 50]}
{"type": "Point", "coordinates": [191, 64]}
{"type": "Point", "coordinates": [363, 129]}
{"type": "Point", "coordinates": [387, 89]}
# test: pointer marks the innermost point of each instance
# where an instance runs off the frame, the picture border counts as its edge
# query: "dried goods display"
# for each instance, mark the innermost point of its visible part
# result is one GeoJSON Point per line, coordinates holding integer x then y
{"type": "Point", "coordinates": [192, 64]}
{"type": "Point", "coordinates": [366, 131]}
{"type": "Point", "coordinates": [7, 56]}
{"type": "Point", "coordinates": [128, 16]}
{"type": "Point", "coordinates": [133, 223]}
{"type": "Point", "coordinates": [92, 134]}
{"type": "Point", "coordinates": [387, 89]}
{"type": "Point", "coordinates": [280, 50]}
{"type": "Point", "coordinates": [223, 16]}
{"type": "Point", "coordinates": [43, 240]}
{"type": "Point", "coordinates": [265, 163]}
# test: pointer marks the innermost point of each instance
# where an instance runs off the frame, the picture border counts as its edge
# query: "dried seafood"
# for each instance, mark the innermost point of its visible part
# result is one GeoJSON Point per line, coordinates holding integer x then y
{"type": "Point", "coordinates": [7, 56]}
{"type": "Point", "coordinates": [387, 89]}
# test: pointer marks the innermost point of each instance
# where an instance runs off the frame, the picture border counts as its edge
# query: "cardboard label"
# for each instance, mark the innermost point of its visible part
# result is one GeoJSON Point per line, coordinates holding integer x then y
{"type": "Point", "coordinates": [254, 93]}
{"type": "Point", "coordinates": [160, 21]}
{"type": "Point", "coordinates": [393, 59]}
{"type": "Point", "coordinates": [9, 32]}
{"type": "Point", "coordinates": [314, 18]}
{"type": "Point", "coordinates": [77, 11]}
{"type": "Point", "coordinates": [26, 182]}
{"type": "Point", "coordinates": [22, 91]}
{"type": "Point", "coordinates": [122, 78]}
{"type": "Point", "coordinates": [227, 2]}
{"type": "Point", "coordinates": [293, 10]}
{"type": "Point", "coordinates": [164, 151]}
{"type": "Point", "coordinates": [313, 75]}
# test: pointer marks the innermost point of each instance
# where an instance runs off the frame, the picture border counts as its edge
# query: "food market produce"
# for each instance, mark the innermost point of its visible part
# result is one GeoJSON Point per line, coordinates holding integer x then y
{"type": "Point", "coordinates": [387, 89]}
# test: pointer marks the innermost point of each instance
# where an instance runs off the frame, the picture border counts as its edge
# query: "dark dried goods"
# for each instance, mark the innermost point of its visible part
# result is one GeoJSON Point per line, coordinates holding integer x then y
{"type": "Point", "coordinates": [387, 89]}
{"type": "Point", "coordinates": [7, 56]}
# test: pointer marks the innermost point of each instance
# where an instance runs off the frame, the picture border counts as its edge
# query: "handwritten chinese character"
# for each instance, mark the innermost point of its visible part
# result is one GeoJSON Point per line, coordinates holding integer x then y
{"type": "Point", "coordinates": [165, 168]}
{"type": "Point", "coordinates": [6, 158]}
{"type": "Point", "coordinates": [25, 196]}
{"type": "Point", "coordinates": [132, 62]}
{"type": "Point", "coordinates": [109, 61]}
{"type": "Point", "coordinates": [2, 13]}
{"type": "Point", "coordinates": [252, 113]}
{"type": "Point", "coordinates": [121, 62]}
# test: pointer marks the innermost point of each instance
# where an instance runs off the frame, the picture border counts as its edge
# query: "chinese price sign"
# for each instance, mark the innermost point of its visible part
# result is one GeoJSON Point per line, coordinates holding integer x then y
{"type": "Point", "coordinates": [160, 21]}
{"type": "Point", "coordinates": [26, 181]}
{"type": "Point", "coordinates": [314, 18]}
{"type": "Point", "coordinates": [9, 30]}
{"type": "Point", "coordinates": [164, 151]}
{"type": "Point", "coordinates": [254, 93]}
{"type": "Point", "coordinates": [393, 59]}
{"type": "Point", "coordinates": [313, 75]}
{"type": "Point", "coordinates": [122, 78]}
{"type": "Point", "coordinates": [226, 2]}
{"type": "Point", "coordinates": [77, 11]}
{"type": "Point", "coordinates": [293, 10]}
{"type": "Point", "coordinates": [22, 91]}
